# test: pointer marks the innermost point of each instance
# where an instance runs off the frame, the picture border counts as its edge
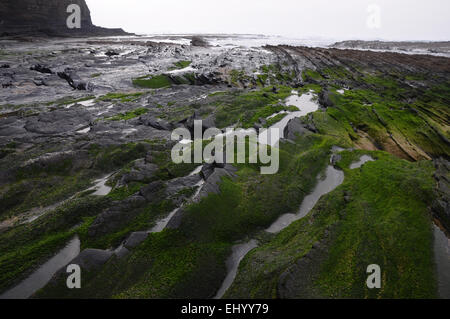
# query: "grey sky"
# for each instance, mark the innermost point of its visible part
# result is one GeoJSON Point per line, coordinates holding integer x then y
{"type": "Point", "coordinates": [346, 19]}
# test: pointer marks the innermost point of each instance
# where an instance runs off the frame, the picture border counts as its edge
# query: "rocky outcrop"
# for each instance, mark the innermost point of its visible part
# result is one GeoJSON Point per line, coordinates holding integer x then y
{"type": "Point", "coordinates": [119, 214]}
{"type": "Point", "coordinates": [209, 122]}
{"type": "Point", "coordinates": [59, 121]}
{"type": "Point", "coordinates": [156, 123]}
{"type": "Point", "coordinates": [297, 127]}
{"type": "Point", "coordinates": [178, 184]}
{"type": "Point", "coordinates": [211, 186]}
{"type": "Point", "coordinates": [36, 17]}
{"type": "Point", "coordinates": [141, 171]}
{"type": "Point", "coordinates": [297, 281]}
{"type": "Point", "coordinates": [197, 41]}
{"type": "Point", "coordinates": [441, 205]}
{"type": "Point", "coordinates": [324, 98]}
{"type": "Point", "coordinates": [152, 191]}
{"type": "Point", "coordinates": [91, 259]}
{"type": "Point", "coordinates": [74, 80]}
{"type": "Point", "coordinates": [135, 239]}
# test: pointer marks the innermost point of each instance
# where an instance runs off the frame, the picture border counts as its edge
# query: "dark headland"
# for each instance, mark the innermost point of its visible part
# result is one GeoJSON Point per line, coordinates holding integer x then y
{"type": "Point", "coordinates": [47, 18]}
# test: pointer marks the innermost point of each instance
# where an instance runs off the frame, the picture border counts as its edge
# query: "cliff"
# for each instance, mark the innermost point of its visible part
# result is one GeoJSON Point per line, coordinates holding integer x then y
{"type": "Point", "coordinates": [47, 17]}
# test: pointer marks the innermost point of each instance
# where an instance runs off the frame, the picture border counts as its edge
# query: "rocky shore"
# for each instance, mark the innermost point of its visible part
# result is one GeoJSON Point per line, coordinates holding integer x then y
{"type": "Point", "coordinates": [85, 111]}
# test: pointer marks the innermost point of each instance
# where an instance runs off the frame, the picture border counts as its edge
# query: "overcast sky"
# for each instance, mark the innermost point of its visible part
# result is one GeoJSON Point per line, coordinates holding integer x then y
{"type": "Point", "coordinates": [346, 19]}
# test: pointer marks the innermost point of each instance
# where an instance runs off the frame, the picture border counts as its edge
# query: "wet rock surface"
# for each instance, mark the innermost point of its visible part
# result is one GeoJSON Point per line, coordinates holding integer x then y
{"type": "Point", "coordinates": [135, 239]}
{"type": "Point", "coordinates": [91, 259]}
{"type": "Point", "coordinates": [199, 42]}
{"type": "Point", "coordinates": [150, 192]}
{"type": "Point", "coordinates": [75, 111]}
{"type": "Point", "coordinates": [297, 127]}
{"type": "Point", "coordinates": [212, 184]}
{"type": "Point", "coordinates": [141, 171]}
{"type": "Point", "coordinates": [176, 185]}
{"type": "Point", "coordinates": [297, 282]}
{"type": "Point", "coordinates": [212, 175]}
{"type": "Point", "coordinates": [113, 218]}
{"type": "Point", "coordinates": [441, 205]}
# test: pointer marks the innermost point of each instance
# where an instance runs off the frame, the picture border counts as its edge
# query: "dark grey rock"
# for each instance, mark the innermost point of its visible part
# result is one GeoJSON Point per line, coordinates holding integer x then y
{"type": "Point", "coordinates": [76, 160]}
{"type": "Point", "coordinates": [175, 185]}
{"type": "Point", "coordinates": [441, 205]}
{"type": "Point", "coordinates": [257, 126]}
{"type": "Point", "coordinates": [156, 123]}
{"type": "Point", "coordinates": [75, 81]}
{"type": "Point", "coordinates": [91, 259]}
{"type": "Point", "coordinates": [207, 123]}
{"type": "Point", "coordinates": [59, 121]}
{"type": "Point", "coordinates": [135, 239]}
{"type": "Point", "coordinates": [149, 157]}
{"type": "Point", "coordinates": [324, 98]}
{"type": "Point", "coordinates": [115, 217]}
{"type": "Point", "coordinates": [41, 69]}
{"type": "Point", "coordinates": [212, 184]}
{"type": "Point", "coordinates": [207, 170]}
{"type": "Point", "coordinates": [335, 158]}
{"type": "Point", "coordinates": [297, 281]}
{"type": "Point", "coordinates": [176, 220]}
{"type": "Point", "coordinates": [140, 172]}
{"type": "Point", "coordinates": [199, 42]}
{"type": "Point", "coordinates": [122, 252]}
{"type": "Point", "coordinates": [296, 127]}
{"type": "Point", "coordinates": [111, 53]}
{"type": "Point", "coordinates": [150, 192]}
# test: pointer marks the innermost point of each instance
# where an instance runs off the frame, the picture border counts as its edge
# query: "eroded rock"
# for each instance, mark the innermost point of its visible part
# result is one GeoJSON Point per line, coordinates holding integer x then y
{"type": "Point", "coordinates": [115, 217]}
{"type": "Point", "coordinates": [135, 239]}
{"type": "Point", "coordinates": [92, 259]}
